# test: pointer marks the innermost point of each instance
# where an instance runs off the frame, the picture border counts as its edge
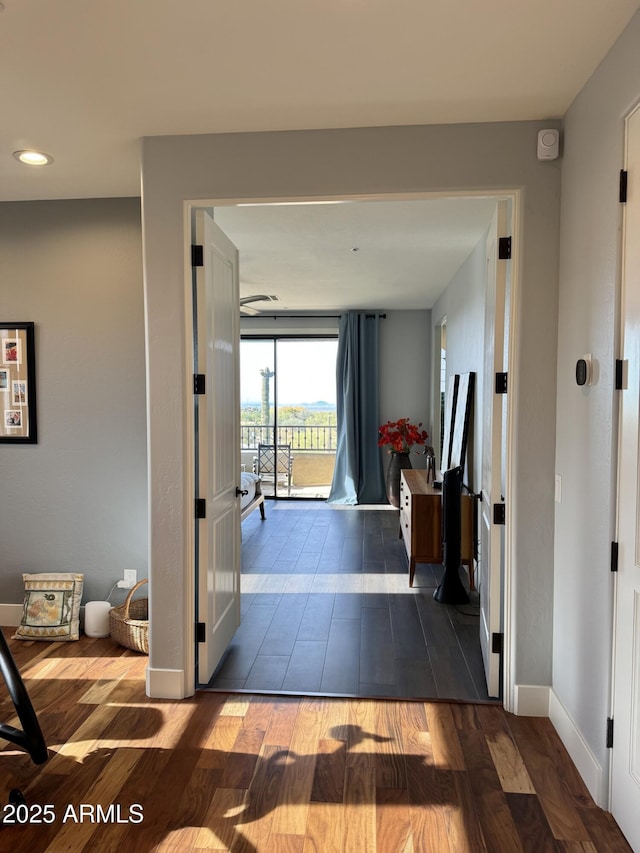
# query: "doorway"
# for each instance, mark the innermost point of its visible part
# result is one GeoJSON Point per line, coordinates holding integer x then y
{"type": "Point", "coordinates": [226, 202]}
{"type": "Point", "coordinates": [266, 372]}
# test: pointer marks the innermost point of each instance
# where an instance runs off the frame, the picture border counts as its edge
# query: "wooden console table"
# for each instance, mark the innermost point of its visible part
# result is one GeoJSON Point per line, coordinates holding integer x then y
{"type": "Point", "coordinates": [421, 522]}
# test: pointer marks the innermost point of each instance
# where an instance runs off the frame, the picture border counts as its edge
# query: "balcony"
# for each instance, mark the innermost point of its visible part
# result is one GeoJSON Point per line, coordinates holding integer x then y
{"type": "Point", "coordinates": [313, 449]}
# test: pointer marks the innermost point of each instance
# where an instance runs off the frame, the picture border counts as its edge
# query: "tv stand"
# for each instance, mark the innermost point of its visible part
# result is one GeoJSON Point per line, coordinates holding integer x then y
{"type": "Point", "coordinates": [421, 523]}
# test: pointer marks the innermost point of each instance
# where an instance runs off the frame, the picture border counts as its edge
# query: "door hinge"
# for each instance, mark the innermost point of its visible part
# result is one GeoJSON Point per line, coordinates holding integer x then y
{"type": "Point", "coordinates": [198, 383]}
{"type": "Point", "coordinates": [501, 383]}
{"type": "Point", "coordinates": [499, 514]}
{"type": "Point", "coordinates": [497, 643]}
{"type": "Point", "coordinates": [623, 186]}
{"type": "Point", "coordinates": [609, 732]}
{"type": "Point", "coordinates": [614, 556]}
{"type": "Point", "coordinates": [201, 632]}
{"type": "Point", "coordinates": [620, 371]}
{"type": "Point", "coordinates": [197, 256]}
{"type": "Point", "coordinates": [201, 508]}
{"type": "Point", "coordinates": [504, 249]}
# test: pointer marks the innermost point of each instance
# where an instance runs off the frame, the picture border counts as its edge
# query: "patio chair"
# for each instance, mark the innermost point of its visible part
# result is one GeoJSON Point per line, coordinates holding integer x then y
{"type": "Point", "coordinates": [274, 463]}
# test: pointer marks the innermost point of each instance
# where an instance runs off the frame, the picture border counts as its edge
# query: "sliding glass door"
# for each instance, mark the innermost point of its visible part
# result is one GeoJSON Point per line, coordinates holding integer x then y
{"type": "Point", "coordinates": [288, 414]}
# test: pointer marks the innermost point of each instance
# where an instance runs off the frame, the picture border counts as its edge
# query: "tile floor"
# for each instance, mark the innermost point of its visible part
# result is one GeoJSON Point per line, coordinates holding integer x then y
{"type": "Point", "coordinates": [327, 609]}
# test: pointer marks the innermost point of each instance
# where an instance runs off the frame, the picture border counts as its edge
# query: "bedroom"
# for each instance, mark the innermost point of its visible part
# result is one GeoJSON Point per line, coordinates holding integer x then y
{"type": "Point", "coordinates": [420, 246]}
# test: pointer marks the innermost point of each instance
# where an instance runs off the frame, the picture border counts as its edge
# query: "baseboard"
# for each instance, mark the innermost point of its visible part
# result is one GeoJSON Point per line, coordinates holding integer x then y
{"type": "Point", "coordinates": [10, 615]}
{"type": "Point", "coordinates": [585, 761]}
{"type": "Point", "coordinates": [165, 683]}
{"type": "Point", "coordinates": [531, 700]}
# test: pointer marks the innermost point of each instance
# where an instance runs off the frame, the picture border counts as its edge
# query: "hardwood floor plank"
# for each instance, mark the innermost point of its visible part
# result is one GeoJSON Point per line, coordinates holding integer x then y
{"type": "Point", "coordinates": [567, 770]}
{"type": "Point", "coordinates": [468, 826]}
{"type": "Point", "coordinates": [429, 830]}
{"type": "Point", "coordinates": [241, 764]}
{"type": "Point", "coordinates": [220, 741]}
{"type": "Point", "coordinates": [393, 821]}
{"type": "Point", "coordinates": [325, 830]}
{"type": "Point", "coordinates": [445, 744]}
{"type": "Point", "coordinates": [498, 827]}
{"type": "Point", "coordinates": [287, 843]}
{"type": "Point", "coordinates": [555, 799]}
{"type": "Point", "coordinates": [359, 811]}
{"type": "Point", "coordinates": [361, 735]}
{"type": "Point", "coordinates": [329, 776]}
{"type": "Point", "coordinates": [297, 779]}
{"type": "Point", "coordinates": [219, 831]}
{"type": "Point", "coordinates": [283, 720]}
{"type": "Point", "coordinates": [390, 767]}
{"type": "Point", "coordinates": [509, 764]}
{"type": "Point", "coordinates": [533, 828]}
{"type": "Point", "coordinates": [603, 830]}
{"type": "Point", "coordinates": [263, 793]}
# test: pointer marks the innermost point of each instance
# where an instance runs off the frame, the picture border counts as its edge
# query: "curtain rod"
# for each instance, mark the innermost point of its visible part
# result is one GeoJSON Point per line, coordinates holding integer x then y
{"type": "Point", "coordinates": [303, 316]}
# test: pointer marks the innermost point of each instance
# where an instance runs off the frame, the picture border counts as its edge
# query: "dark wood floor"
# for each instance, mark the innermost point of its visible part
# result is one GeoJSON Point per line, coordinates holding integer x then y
{"type": "Point", "coordinates": [263, 774]}
{"type": "Point", "coordinates": [327, 609]}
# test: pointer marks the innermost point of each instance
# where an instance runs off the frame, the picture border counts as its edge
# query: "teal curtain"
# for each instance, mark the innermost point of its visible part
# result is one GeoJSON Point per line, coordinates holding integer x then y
{"type": "Point", "coordinates": [358, 476]}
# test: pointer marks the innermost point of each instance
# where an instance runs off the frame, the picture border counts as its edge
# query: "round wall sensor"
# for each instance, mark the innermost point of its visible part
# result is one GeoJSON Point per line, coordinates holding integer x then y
{"type": "Point", "coordinates": [583, 370]}
{"type": "Point", "coordinates": [548, 144]}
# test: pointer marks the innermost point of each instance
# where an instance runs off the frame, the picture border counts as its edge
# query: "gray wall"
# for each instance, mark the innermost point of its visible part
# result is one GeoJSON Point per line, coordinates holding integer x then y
{"type": "Point", "coordinates": [77, 500]}
{"type": "Point", "coordinates": [463, 304]}
{"type": "Point", "coordinates": [586, 425]}
{"type": "Point", "coordinates": [405, 371]}
{"type": "Point", "coordinates": [340, 163]}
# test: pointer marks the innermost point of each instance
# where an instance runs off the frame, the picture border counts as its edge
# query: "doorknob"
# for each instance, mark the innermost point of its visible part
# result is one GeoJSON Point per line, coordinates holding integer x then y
{"type": "Point", "coordinates": [241, 492]}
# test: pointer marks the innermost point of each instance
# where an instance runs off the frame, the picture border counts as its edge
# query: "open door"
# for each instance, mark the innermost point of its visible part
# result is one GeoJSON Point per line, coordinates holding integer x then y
{"type": "Point", "coordinates": [625, 764]}
{"type": "Point", "coordinates": [490, 567]}
{"type": "Point", "coordinates": [217, 443]}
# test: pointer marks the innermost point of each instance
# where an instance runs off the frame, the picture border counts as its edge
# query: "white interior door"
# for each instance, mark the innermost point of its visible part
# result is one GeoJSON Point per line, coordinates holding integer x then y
{"type": "Point", "coordinates": [218, 443]}
{"type": "Point", "coordinates": [492, 535]}
{"type": "Point", "coordinates": [625, 767]}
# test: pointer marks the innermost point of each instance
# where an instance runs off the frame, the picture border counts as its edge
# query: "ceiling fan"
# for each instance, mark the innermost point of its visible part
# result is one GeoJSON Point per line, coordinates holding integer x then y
{"type": "Point", "coordinates": [245, 307]}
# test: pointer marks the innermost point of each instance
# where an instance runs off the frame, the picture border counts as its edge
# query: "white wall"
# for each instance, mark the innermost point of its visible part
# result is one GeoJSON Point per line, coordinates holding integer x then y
{"type": "Point", "coordinates": [586, 421]}
{"type": "Point", "coordinates": [463, 304]}
{"type": "Point", "coordinates": [77, 500]}
{"type": "Point", "coordinates": [349, 162]}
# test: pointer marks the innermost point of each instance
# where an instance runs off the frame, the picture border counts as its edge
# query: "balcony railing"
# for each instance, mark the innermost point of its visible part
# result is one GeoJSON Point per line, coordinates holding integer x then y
{"type": "Point", "coordinates": [299, 437]}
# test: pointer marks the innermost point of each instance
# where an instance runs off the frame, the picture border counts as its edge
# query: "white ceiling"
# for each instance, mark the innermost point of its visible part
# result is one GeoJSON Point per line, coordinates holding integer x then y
{"type": "Point", "coordinates": [370, 254]}
{"type": "Point", "coordinates": [84, 80]}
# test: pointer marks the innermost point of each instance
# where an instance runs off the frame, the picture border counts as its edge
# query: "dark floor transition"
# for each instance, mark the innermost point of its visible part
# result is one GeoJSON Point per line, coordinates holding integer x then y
{"type": "Point", "coordinates": [327, 608]}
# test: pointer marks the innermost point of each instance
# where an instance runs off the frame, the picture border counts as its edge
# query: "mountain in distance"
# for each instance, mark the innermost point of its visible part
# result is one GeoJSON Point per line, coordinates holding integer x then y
{"type": "Point", "coordinates": [317, 405]}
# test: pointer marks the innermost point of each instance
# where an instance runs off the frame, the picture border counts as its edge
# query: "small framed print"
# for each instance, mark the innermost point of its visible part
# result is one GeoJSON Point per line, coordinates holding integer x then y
{"type": "Point", "coordinates": [18, 392]}
{"type": "Point", "coordinates": [18, 383]}
{"type": "Point", "coordinates": [11, 350]}
{"type": "Point", "coordinates": [13, 418]}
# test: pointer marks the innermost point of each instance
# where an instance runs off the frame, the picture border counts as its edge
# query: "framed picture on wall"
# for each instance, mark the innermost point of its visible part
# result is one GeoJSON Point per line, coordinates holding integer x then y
{"type": "Point", "coordinates": [18, 383]}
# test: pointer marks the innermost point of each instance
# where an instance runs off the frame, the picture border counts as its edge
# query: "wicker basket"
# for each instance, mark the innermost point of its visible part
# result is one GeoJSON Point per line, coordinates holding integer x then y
{"type": "Point", "coordinates": [129, 622]}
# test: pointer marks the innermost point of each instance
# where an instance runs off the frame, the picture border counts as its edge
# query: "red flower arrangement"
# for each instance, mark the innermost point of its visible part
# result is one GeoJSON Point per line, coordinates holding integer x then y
{"type": "Point", "coordinates": [400, 436]}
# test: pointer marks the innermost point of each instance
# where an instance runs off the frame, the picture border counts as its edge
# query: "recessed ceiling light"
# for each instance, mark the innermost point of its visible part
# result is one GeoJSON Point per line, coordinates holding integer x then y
{"type": "Point", "coordinates": [33, 158]}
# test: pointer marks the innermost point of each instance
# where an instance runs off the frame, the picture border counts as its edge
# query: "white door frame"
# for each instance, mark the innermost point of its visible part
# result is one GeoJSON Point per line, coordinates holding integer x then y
{"type": "Point", "coordinates": [508, 592]}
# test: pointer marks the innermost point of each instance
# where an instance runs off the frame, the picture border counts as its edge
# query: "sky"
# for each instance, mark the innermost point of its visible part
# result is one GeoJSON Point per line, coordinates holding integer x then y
{"type": "Point", "coordinates": [306, 370]}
